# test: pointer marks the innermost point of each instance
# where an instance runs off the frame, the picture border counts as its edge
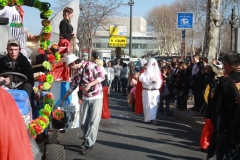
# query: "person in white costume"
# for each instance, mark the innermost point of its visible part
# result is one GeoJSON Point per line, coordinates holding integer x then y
{"type": "Point", "coordinates": [151, 82]}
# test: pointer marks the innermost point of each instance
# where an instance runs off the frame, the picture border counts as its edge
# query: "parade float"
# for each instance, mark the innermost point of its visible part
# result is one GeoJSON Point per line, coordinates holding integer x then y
{"type": "Point", "coordinates": [46, 119]}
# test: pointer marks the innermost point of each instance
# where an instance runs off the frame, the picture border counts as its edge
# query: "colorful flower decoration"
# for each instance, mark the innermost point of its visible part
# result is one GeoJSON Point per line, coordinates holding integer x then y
{"type": "Point", "coordinates": [58, 56]}
{"type": "Point", "coordinates": [40, 86]}
{"type": "Point", "coordinates": [49, 101]}
{"type": "Point", "coordinates": [58, 114]}
{"type": "Point", "coordinates": [46, 86]}
{"type": "Point", "coordinates": [49, 78]}
{"type": "Point", "coordinates": [49, 95]}
{"type": "Point", "coordinates": [19, 2]}
{"type": "Point", "coordinates": [41, 51]}
{"type": "Point", "coordinates": [45, 23]}
{"type": "Point", "coordinates": [37, 4]}
{"type": "Point", "coordinates": [47, 29]}
{"type": "Point", "coordinates": [51, 58]}
{"type": "Point", "coordinates": [42, 78]}
{"type": "Point", "coordinates": [46, 65]}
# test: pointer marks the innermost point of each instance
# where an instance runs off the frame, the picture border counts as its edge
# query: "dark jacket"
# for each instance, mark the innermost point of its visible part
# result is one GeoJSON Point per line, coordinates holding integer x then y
{"type": "Point", "coordinates": [66, 29]}
{"type": "Point", "coordinates": [224, 102]}
{"type": "Point", "coordinates": [22, 65]}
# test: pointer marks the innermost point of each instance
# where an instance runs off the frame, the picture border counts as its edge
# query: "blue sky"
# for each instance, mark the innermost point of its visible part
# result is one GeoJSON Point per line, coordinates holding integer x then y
{"type": "Point", "coordinates": [140, 9]}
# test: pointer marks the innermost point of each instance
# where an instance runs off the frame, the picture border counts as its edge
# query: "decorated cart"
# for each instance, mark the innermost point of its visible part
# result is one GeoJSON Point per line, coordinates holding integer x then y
{"type": "Point", "coordinates": [47, 118]}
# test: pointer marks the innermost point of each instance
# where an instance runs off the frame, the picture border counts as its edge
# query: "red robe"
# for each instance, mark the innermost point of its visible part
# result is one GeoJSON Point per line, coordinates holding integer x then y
{"type": "Point", "coordinates": [138, 99]}
{"type": "Point", "coordinates": [105, 110]}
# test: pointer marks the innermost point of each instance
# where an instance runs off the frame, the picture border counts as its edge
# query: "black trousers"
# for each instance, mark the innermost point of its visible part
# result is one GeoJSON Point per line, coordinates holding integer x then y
{"type": "Point", "coordinates": [213, 141]}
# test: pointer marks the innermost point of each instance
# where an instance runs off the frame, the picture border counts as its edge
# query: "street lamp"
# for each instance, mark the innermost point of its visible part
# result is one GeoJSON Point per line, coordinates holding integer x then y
{"type": "Point", "coordinates": [215, 16]}
{"type": "Point", "coordinates": [130, 3]}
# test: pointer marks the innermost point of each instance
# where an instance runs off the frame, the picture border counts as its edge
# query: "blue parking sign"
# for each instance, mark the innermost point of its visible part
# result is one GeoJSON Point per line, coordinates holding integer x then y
{"type": "Point", "coordinates": [185, 20]}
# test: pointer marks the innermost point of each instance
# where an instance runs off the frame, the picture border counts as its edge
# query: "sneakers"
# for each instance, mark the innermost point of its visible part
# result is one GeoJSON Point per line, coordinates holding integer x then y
{"type": "Point", "coordinates": [153, 122]}
{"type": "Point", "coordinates": [83, 145]}
{"type": "Point", "coordinates": [87, 150]}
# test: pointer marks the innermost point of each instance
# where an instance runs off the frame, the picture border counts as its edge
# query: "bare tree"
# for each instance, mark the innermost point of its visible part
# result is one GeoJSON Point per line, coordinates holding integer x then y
{"type": "Point", "coordinates": [94, 14]}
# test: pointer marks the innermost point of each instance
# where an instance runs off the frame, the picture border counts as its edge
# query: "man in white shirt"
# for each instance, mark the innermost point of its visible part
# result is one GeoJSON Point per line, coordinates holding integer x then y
{"type": "Point", "coordinates": [143, 61]}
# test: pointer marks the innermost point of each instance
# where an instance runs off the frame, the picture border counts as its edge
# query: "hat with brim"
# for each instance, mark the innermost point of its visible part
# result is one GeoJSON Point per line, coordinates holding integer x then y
{"type": "Point", "coordinates": [13, 41]}
{"type": "Point", "coordinates": [70, 59]}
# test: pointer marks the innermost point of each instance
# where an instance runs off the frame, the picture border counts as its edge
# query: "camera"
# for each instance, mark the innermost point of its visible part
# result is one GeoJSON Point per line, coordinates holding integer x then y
{"type": "Point", "coordinates": [91, 89]}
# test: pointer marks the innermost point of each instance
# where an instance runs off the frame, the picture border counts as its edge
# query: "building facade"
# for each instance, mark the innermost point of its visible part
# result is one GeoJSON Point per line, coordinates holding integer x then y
{"type": "Point", "coordinates": [142, 41]}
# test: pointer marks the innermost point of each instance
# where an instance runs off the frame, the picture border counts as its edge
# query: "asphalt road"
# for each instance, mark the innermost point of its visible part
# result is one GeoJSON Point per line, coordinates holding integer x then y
{"type": "Point", "coordinates": [126, 137]}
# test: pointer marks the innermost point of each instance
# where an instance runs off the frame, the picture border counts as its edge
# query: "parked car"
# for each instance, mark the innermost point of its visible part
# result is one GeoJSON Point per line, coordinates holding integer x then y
{"type": "Point", "coordinates": [137, 66]}
{"type": "Point", "coordinates": [169, 58]}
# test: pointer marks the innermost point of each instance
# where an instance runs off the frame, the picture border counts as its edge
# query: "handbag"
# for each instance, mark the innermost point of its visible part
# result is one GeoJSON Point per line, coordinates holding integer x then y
{"type": "Point", "coordinates": [206, 134]}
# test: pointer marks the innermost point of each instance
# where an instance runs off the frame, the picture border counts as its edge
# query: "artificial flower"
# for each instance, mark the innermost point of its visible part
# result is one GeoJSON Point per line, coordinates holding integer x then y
{"type": "Point", "coordinates": [51, 58]}
{"type": "Point", "coordinates": [40, 86]}
{"type": "Point", "coordinates": [19, 2]}
{"type": "Point", "coordinates": [47, 29]}
{"type": "Point", "coordinates": [37, 4]}
{"type": "Point", "coordinates": [48, 13]}
{"type": "Point", "coordinates": [58, 114]}
{"type": "Point", "coordinates": [41, 51]}
{"type": "Point", "coordinates": [46, 36]}
{"type": "Point", "coordinates": [3, 3]}
{"type": "Point", "coordinates": [46, 65]}
{"type": "Point", "coordinates": [46, 86]}
{"type": "Point", "coordinates": [58, 56]}
{"type": "Point", "coordinates": [49, 101]}
{"type": "Point", "coordinates": [45, 22]}
{"type": "Point", "coordinates": [44, 45]}
{"type": "Point", "coordinates": [49, 95]}
{"type": "Point", "coordinates": [49, 78]}
{"type": "Point", "coordinates": [42, 78]}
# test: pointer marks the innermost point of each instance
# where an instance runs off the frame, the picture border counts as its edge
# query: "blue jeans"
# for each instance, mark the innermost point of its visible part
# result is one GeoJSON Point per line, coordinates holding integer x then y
{"type": "Point", "coordinates": [124, 83]}
{"type": "Point", "coordinates": [117, 84]}
{"type": "Point", "coordinates": [109, 86]}
{"type": "Point", "coordinates": [90, 119]}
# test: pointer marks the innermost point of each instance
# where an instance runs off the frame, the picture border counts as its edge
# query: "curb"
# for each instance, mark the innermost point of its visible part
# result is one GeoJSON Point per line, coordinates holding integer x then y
{"type": "Point", "coordinates": [189, 117]}
{"type": "Point", "coordinates": [196, 121]}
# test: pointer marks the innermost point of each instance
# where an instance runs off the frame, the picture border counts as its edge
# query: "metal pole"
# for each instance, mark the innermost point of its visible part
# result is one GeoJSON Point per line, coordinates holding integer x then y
{"type": "Point", "coordinates": [130, 3]}
{"type": "Point", "coordinates": [233, 22]}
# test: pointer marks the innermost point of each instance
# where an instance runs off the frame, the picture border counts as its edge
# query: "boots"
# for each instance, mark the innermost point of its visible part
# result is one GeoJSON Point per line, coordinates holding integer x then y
{"type": "Point", "coordinates": [124, 92]}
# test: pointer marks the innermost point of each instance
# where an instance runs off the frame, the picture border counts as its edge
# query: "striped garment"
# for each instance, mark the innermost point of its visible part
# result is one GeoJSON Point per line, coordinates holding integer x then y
{"type": "Point", "coordinates": [90, 73]}
{"type": "Point", "coordinates": [16, 24]}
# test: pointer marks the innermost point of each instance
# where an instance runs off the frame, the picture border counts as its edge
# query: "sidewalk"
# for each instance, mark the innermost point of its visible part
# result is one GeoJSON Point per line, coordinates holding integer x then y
{"type": "Point", "coordinates": [189, 117]}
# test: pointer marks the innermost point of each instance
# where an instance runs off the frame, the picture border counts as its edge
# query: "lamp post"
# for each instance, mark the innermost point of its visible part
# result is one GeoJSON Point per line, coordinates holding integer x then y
{"type": "Point", "coordinates": [215, 17]}
{"type": "Point", "coordinates": [130, 3]}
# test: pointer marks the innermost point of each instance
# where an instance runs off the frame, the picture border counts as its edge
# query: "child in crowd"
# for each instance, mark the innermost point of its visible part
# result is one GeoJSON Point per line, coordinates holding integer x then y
{"type": "Point", "coordinates": [133, 84]}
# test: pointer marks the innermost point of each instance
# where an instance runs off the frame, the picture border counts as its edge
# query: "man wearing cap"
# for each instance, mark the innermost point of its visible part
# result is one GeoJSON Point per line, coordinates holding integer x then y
{"type": "Point", "coordinates": [88, 76]}
{"type": "Point", "coordinates": [15, 61]}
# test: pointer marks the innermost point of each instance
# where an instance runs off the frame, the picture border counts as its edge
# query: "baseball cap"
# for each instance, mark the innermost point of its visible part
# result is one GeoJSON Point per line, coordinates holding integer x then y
{"type": "Point", "coordinates": [70, 59]}
{"type": "Point", "coordinates": [13, 41]}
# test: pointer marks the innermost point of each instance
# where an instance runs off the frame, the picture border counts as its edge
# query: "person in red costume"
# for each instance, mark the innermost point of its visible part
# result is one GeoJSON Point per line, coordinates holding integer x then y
{"type": "Point", "coordinates": [139, 88]}
{"type": "Point", "coordinates": [14, 140]}
{"type": "Point", "coordinates": [105, 109]}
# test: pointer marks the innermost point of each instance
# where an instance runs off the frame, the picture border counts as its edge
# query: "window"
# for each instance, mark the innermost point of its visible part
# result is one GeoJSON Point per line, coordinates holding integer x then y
{"type": "Point", "coordinates": [145, 46]}
{"type": "Point", "coordinates": [98, 45]}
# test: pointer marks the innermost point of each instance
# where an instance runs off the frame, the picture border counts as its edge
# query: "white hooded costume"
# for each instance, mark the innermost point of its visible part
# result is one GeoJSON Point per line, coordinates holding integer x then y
{"type": "Point", "coordinates": [151, 82]}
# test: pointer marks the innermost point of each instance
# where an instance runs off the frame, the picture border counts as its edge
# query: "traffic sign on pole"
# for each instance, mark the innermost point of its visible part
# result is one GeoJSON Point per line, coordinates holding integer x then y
{"type": "Point", "coordinates": [183, 35]}
{"type": "Point", "coordinates": [185, 20]}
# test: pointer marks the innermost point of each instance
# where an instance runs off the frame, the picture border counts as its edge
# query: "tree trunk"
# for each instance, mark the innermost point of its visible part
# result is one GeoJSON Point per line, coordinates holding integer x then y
{"type": "Point", "coordinates": [211, 32]}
